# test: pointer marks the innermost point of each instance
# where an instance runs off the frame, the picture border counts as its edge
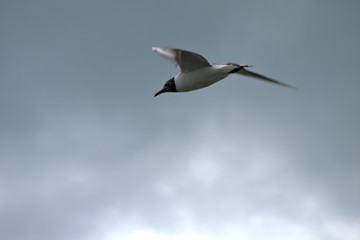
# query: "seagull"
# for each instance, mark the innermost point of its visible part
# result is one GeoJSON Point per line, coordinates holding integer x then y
{"type": "Point", "coordinates": [196, 72]}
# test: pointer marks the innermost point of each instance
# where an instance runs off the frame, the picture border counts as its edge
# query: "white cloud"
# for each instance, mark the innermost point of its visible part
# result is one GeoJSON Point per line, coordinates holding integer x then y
{"type": "Point", "coordinates": [204, 167]}
{"type": "Point", "coordinates": [259, 226]}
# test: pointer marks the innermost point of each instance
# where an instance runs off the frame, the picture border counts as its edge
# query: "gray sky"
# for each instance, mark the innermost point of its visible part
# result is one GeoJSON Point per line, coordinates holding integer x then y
{"type": "Point", "coordinates": [87, 152]}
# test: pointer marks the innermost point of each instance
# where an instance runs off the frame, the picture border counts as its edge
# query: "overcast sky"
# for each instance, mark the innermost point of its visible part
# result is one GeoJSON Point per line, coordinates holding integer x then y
{"type": "Point", "coordinates": [87, 152]}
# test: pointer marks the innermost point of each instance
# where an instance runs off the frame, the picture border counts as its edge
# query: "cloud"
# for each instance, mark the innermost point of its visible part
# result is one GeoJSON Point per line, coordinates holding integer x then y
{"type": "Point", "coordinates": [94, 173]}
{"type": "Point", "coordinates": [86, 152]}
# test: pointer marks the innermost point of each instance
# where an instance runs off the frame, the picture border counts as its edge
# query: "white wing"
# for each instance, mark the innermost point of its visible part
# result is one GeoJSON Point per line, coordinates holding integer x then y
{"type": "Point", "coordinates": [188, 61]}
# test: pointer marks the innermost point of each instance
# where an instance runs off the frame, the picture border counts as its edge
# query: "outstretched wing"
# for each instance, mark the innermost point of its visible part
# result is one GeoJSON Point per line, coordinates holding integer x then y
{"type": "Point", "coordinates": [188, 61]}
{"type": "Point", "coordinates": [248, 73]}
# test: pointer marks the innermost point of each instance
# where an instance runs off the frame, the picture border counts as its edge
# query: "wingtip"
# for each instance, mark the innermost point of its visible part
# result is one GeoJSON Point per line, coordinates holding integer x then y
{"type": "Point", "coordinates": [293, 88]}
{"type": "Point", "coordinates": [288, 86]}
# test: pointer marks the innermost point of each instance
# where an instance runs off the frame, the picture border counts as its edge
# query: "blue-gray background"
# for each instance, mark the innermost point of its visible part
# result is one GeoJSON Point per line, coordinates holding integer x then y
{"type": "Point", "coordinates": [87, 152]}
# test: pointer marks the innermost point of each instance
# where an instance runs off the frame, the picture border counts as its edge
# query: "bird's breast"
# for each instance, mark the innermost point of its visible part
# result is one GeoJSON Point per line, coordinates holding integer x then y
{"type": "Point", "coordinates": [188, 81]}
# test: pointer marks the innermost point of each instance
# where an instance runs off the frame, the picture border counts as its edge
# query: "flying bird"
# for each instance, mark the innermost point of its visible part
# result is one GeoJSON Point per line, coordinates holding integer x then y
{"type": "Point", "coordinates": [196, 72]}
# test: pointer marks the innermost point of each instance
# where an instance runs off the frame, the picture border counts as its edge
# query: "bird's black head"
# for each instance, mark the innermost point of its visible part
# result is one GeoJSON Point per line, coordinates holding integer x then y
{"type": "Point", "coordinates": [168, 87]}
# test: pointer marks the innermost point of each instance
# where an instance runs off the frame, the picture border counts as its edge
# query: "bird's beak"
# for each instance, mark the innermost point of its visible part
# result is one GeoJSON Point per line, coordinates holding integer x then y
{"type": "Point", "coordinates": [160, 92]}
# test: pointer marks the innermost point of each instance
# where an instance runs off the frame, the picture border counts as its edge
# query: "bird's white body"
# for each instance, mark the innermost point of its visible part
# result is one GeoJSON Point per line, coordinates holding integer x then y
{"type": "Point", "coordinates": [196, 72]}
{"type": "Point", "coordinates": [202, 77]}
